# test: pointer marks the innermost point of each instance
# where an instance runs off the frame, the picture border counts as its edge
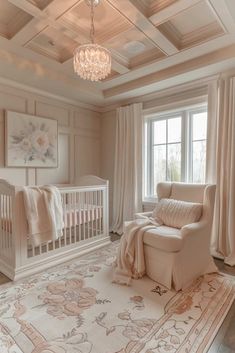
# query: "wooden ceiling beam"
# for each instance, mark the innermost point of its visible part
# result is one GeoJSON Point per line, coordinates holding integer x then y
{"type": "Point", "coordinates": [127, 9]}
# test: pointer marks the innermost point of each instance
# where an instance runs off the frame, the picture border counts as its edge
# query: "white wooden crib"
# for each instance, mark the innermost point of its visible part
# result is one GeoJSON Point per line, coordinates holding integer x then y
{"type": "Point", "coordinates": [85, 212]}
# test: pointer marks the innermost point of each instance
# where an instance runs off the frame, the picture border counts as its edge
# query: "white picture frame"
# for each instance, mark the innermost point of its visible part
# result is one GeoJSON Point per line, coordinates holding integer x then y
{"type": "Point", "coordinates": [30, 141]}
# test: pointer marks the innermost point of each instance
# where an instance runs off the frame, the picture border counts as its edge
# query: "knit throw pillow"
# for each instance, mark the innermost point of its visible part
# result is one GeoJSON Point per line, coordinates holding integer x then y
{"type": "Point", "coordinates": [176, 213]}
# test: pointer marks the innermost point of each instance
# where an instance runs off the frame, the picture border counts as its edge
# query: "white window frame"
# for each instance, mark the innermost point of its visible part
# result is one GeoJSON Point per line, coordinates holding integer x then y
{"type": "Point", "coordinates": [186, 114]}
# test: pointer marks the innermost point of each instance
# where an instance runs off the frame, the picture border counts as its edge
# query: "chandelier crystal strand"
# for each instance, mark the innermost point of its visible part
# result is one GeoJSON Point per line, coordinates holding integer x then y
{"type": "Point", "coordinates": [92, 61]}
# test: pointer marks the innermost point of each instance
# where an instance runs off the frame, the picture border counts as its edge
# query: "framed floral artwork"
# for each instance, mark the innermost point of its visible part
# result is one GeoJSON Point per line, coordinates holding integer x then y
{"type": "Point", "coordinates": [30, 141]}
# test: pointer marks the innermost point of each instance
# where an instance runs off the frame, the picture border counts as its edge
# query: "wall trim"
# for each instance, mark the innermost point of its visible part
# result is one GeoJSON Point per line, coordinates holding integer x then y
{"type": "Point", "coordinates": [30, 89]}
{"type": "Point", "coordinates": [178, 104]}
{"type": "Point", "coordinates": [166, 92]}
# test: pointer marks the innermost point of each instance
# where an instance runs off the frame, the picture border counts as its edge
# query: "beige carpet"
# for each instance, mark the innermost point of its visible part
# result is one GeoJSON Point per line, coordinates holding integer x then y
{"type": "Point", "coordinates": [74, 308]}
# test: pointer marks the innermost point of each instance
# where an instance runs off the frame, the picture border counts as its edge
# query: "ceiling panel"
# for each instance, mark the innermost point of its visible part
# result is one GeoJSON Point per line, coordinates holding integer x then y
{"type": "Point", "coordinates": [53, 44]}
{"type": "Point", "coordinates": [108, 22]}
{"type": "Point", "coordinates": [201, 15]}
{"type": "Point", "coordinates": [130, 43]}
{"type": "Point", "coordinates": [185, 32]}
{"type": "Point", "coordinates": [158, 5]}
{"type": "Point", "coordinates": [231, 7]}
{"type": "Point", "coordinates": [12, 19]}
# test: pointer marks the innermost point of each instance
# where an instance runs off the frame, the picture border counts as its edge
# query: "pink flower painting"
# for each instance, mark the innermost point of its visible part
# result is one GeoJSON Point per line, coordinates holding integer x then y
{"type": "Point", "coordinates": [31, 141]}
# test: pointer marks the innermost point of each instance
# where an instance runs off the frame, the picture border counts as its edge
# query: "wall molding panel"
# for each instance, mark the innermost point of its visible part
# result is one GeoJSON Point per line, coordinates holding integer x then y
{"type": "Point", "coordinates": [79, 131]}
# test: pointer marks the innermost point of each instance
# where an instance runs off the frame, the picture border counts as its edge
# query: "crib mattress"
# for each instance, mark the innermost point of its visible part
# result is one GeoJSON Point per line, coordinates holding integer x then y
{"type": "Point", "coordinates": [73, 216]}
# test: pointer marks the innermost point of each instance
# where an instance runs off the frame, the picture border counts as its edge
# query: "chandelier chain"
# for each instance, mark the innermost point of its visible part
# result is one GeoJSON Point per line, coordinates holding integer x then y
{"type": "Point", "coordinates": [92, 31]}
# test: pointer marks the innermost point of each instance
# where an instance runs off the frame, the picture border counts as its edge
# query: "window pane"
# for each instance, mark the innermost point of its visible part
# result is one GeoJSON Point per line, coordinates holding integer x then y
{"type": "Point", "coordinates": [159, 171]}
{"type": "Point", "coordinates": [199, 161]}
{"type": "Point", "coordinates": [159, 132]}
{"type": "Point", "coordinates": [174, 130]}
{"type": "Point", "coordinates": [199, 126]}
{"type": "Point", "coordinates": [174, 162]}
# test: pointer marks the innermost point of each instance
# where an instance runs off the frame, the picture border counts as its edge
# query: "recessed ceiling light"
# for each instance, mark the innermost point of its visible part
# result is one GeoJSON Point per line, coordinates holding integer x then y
{"type": "Point", "coordinates": [134, 47]}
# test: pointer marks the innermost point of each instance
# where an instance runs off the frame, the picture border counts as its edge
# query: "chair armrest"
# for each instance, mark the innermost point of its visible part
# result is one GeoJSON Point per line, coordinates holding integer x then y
{"type": "Point", "coordinates": [194, 228]}
{"type": "Point", "coordinates": [143, 215]}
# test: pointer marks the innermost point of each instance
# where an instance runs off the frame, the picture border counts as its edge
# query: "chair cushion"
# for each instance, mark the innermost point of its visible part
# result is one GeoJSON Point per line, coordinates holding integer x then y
{"type": "Point", "coordinates": [164, 238]}
{"type": "Point", "coordinates": [176, 213]}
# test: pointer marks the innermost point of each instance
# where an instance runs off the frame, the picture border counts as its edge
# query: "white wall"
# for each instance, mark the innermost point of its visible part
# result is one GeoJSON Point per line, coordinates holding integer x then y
{"type": "Point", "coordinates": [79, 138]}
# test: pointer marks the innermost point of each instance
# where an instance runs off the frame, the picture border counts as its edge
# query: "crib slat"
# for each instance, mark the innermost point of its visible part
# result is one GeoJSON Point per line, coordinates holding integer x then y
{"type": "Point", "coordinates": [11, 230]}
{"type": "Point", "coordinates": [79, 215]}
{"type": "Point", "coordinates": [74, 218]}
{"type": "Point", "coordinates": [92, 214]}
{"type": "Point", "coordinates": [99, 211]}
{"type": "Point", "coordinates": [6, 225]}
{"type": "Point", "coordinates": [4, 230]}
{"type": "Point", "coordinates": [70, 218]}
{"type": "Point", "coordinates": [83, 215]}
{"type": "Point", "coordinates": [89, 215]}
{"type": "Point", "coordinates": [33, 251]}
{"type": "Point", "coordinates": [96, 218]}
{"type": "Point", "coordinates": [8, 219]}
{"type": "Point", "coordinates": [65, 220]}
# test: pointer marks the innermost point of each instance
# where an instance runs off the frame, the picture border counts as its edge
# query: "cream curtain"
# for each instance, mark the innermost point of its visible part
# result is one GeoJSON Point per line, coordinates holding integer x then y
{"type": "Point", "coordinates": [212, 131]}
{"type": "Point", "coordinates": [127, 197]}
{"type": "Point", "coordinates": [221, 166]}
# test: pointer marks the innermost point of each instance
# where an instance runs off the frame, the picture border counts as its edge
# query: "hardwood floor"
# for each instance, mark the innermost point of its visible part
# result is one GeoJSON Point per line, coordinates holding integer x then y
{"type": "Point", "coordinates": [224, 341]}
{"type": "Point", "coordinates": [3, 279]}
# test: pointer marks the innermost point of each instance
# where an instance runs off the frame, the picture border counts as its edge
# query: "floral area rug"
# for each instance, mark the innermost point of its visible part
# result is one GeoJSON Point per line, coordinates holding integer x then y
{"type": "Point", "coordinates": [75, 308]}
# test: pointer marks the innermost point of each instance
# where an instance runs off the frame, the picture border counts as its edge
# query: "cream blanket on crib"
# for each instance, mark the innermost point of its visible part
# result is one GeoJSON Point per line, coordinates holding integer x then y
{"type": "Point", "coordinates": [44, 213]}
{"type": "Point", "coordinates": [130, 262]}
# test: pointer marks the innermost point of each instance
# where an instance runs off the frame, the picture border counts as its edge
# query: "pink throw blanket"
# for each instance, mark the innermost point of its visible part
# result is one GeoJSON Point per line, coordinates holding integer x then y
{"type": "Point", "coordinates": [130, 262]}
{"type": "Point", "coordinates": [44, 213]}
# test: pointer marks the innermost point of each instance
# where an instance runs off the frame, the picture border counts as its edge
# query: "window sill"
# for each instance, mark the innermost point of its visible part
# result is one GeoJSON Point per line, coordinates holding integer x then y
{"type": "Point", "coordinates": [149, 204]}
{"type": "Point", "coordinates": [150, 200]}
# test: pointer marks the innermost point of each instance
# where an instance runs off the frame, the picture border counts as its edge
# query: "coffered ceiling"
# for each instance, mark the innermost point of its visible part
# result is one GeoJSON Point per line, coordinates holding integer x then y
{"type": "Point", "coordinates": [151, 41]}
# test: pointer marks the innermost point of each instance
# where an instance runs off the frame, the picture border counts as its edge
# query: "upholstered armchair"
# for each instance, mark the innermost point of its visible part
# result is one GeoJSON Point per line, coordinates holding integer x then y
{"type": "Point", "coordinates": [175, 257]}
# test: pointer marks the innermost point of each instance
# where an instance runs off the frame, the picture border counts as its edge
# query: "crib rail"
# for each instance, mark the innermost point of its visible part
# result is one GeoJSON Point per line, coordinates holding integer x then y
{"type": "Point", "coordinates": [85, 219]}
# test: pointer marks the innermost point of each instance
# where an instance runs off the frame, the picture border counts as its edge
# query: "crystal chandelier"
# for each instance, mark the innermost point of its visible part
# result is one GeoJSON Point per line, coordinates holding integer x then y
{"type": "Point", "coordinates": [92, 61]}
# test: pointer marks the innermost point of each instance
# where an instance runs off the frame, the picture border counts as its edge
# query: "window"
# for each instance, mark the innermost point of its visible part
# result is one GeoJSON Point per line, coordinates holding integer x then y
{"type": "Point", "coordinates": [175, 147]}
